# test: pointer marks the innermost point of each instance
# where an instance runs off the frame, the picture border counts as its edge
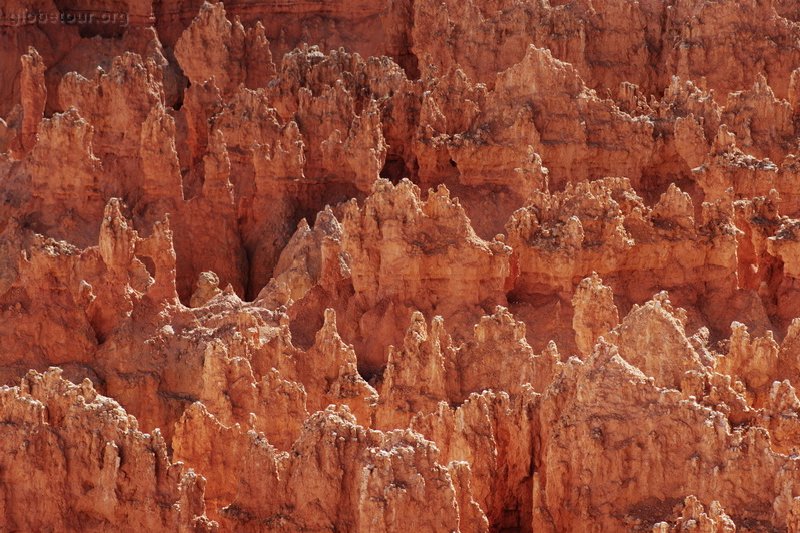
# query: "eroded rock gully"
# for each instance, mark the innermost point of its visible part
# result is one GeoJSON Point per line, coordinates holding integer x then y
{"type": "Point", "coordinates": [409, 265]}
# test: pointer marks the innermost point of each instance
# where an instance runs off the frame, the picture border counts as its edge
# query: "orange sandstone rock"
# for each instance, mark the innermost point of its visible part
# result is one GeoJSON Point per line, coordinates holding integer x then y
{"type": "Point", "coordinates": [468, 266]}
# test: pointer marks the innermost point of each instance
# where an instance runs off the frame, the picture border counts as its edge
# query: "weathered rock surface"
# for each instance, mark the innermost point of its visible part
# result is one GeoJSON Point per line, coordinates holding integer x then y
{"type": "Point", "coordinates": [400, 266]}
{"type": "Point", "coordinates": [75, 460]}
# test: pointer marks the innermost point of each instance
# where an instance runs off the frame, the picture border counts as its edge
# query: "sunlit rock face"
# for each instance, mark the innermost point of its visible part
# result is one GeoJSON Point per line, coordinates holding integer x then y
{"type": "Point", "coordinates": [435, 266]}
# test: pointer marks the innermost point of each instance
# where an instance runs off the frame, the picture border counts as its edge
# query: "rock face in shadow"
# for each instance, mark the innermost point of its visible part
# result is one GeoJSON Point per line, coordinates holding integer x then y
{"type": "Point", "coordinates": [394, 266]}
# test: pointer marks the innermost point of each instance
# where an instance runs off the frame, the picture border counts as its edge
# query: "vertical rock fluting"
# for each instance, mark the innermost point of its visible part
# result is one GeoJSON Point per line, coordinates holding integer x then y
{"type": "Point", "coordinates": [388, 266]}
{"type": "Point", "coordinates": [75, 460]}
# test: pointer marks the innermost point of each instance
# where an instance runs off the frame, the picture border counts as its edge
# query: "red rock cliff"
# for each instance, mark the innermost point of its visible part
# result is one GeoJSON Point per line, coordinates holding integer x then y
{"type": "Point", "coordinates": [407, 265]}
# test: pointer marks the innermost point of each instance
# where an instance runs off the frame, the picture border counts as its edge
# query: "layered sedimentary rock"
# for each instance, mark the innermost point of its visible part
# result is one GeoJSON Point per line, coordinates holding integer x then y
{"type": "Point", "coordinates": [437, 266]}
{"type": "Point", "coordinates": [75, 460]}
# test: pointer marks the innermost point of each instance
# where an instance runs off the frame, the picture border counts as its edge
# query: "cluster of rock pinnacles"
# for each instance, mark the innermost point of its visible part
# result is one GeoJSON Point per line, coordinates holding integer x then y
{"type": "Point", "coordinates": [400, 266]}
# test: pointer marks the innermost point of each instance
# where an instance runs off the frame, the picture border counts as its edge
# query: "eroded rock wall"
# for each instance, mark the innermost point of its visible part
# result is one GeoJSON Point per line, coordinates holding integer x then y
{"type": "Point", "coordinates": [403, 265]}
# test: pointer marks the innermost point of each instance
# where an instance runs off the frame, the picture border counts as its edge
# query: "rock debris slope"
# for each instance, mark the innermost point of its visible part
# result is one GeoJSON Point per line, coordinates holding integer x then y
{"type": "Point", "coordinates": [408, 265]}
